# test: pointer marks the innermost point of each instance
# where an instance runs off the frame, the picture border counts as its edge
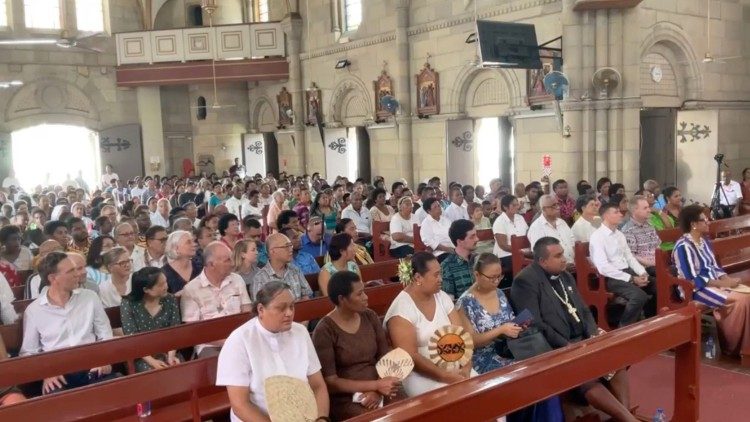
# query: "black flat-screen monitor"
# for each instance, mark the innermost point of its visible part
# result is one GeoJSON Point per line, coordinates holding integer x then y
{"type": "Point", "coordinates": [508, 45]}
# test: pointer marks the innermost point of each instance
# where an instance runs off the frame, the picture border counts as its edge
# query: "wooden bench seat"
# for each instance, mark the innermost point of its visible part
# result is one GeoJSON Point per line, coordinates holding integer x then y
{"type": "Point", "coordinates": [729, 226]}
{"type": "Point", "coordinates": [19, 291]}
{"type": "Point", "coordinates": [381, 244]}
{"type": "Point", "coordinates": [521, 253]}
{"type": "Point", "coordinates": [591, 285]}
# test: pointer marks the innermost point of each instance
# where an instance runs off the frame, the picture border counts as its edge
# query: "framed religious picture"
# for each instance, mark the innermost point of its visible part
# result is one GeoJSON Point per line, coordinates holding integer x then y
{"type": "Point", "coordinates": [428, 92]}
{"type": "Point", "coordinates": [535, 91]}
{"type": "Point", "coordinates": [383, 86]}
{"type": "Point", "coordinates": [284, 100]}
{"type": "Point", "coordinates": [313, 102]}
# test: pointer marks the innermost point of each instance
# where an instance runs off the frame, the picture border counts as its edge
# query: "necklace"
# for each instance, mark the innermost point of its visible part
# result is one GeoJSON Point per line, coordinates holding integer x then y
{"type": "Point", "coordinates": [570, 308]}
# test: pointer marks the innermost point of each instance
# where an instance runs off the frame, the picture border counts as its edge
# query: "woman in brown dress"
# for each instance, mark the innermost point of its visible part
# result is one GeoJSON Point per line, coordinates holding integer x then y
{"type": "Point", "coordinates": [745, 186]}
{"type": "Point", "coordinates": [350, 340]}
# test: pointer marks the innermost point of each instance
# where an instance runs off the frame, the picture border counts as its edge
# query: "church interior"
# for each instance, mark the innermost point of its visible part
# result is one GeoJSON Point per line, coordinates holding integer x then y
{"type": "Point", "coordinates": [163, 107]}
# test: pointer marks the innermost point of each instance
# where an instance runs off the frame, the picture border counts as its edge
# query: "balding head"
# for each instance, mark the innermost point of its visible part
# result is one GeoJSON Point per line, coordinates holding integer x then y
{"type": "Point", "coordinates": [279, 249]}
{"type": "Point", "coordinates": [218, 262]}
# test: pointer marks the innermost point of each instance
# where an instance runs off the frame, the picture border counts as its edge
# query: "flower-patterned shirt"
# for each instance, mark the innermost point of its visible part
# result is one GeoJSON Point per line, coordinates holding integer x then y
{"type": "Point", "coordinates": [485, 358]}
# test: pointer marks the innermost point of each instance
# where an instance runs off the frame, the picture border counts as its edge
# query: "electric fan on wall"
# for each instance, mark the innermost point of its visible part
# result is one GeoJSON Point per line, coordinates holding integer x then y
{"type": "Point", "coordinates": [557, 84]}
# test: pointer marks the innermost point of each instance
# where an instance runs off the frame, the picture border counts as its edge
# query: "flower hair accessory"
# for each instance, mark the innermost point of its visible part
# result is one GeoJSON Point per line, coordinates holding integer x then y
{"type": "Point", "coordinates": [404, 271]}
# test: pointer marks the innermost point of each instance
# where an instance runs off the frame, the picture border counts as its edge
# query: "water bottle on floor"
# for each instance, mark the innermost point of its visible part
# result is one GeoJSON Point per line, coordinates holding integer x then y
{"type": "Point", "coordinates": [660, 416]}
{"type": "Point", "coordinates": [143, 410]}
{"type": "Point", "coordinates": [710, 348]}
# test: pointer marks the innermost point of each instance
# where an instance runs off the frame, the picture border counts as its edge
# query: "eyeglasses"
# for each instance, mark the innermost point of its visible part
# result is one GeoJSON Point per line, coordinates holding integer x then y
{"type": "Point", "coordinates": [124, 263]}
{"type": "Point", "coordinates": [128, 234]}
{"type": "Point", "coordinates": [552, 206]}
{"type": "Point", "coordinates": [287, 246]}
{"type": "Point", "coordinates": [493, 279]}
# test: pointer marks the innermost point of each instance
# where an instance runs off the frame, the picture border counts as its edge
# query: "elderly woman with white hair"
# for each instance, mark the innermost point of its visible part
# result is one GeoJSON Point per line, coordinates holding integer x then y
{"type": "Point", "coordinates": [180, 267]}
{"type": "Point", "coordinates": [277, 205]}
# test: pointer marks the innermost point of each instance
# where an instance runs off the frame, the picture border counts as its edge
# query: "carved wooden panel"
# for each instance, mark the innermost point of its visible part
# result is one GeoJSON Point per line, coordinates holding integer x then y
{"type": "Point", "coordinates": [166, 46]}
{"type": "Point", "coordinates": [266, 39]}
{"type": "Point", "coordinates": [233, 42]}
{"type": "Point", "coordinates": [133, 47]}
{"type": "Point", "coordinates": [199, 43]}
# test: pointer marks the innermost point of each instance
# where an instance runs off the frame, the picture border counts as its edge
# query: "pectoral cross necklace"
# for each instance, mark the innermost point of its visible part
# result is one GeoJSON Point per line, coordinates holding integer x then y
{"type": "Point", "coordinates": [570, 308]}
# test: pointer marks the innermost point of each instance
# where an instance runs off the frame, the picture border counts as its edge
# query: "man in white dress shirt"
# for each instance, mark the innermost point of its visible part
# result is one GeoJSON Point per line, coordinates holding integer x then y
{"type": "Point", "coordinates": [551, 225]}
{"type": "Point", "coordinates": [419, 212]}
{"type": "Point", "coordinates": [358, 214]}
{"type": "Point", "coordinates": [238, 204]}
{"type": "Point", "coordinates": [455, 210]}
{"type": "Point", "coordinates": [434, 230]}
{"type": "Point", "coordinates": [731, 192]}
{"type": "Point", "coordinates": [625, 276]}
{"type": "Point", "coordinates": [64, 316]}
{"type": "Point", "coordinates": [108, 176]}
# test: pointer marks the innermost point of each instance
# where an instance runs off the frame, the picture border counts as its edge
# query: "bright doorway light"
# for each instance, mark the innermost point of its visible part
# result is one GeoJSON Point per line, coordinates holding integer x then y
{"type": "Point", "coordinates": [49, 154]}
{"type": "Point", "coordinates": [488, 149]}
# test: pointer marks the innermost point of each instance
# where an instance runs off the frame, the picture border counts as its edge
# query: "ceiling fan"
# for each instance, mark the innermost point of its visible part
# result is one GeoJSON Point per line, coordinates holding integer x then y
{"type": "Point", "coordinates": [209, 6]}
{"type": "Point", "coordinates": [709, 57]}
{"type": "Point", "coordinates": [64, 41]}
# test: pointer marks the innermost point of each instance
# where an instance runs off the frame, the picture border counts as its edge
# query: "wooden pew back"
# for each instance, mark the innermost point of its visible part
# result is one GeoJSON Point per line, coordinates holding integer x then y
{"type": "Point", "coordinates": [419, 246]}
{"type": "Point", "coordinates": [520, 249]}
{"type": "Point", "coordinates": [381, 248]}
{"type": "Point", "coordinates": [729, 226]}
{"type": "Point", "coordinates": [18, 291]}
{"type": "Point", "coordinates": [591, 285]}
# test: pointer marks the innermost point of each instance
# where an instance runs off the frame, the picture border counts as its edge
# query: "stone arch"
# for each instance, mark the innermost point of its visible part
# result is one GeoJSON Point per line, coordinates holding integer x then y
{"type": "Point", "coordinates": [262, 117]}
{"type": "Point", "coordinates": [51, 100]}
{"type": "Point", "coordinates": [672, 42]}
{"type": "Point", "coordinates": [350, 102]}
{"type": "Point", "coordinates": [465, 97]}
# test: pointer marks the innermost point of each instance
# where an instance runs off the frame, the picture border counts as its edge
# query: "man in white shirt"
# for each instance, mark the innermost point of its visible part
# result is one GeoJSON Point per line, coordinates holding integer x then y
{"type": "Point", "coordinates": [11, 180]}
{"type": "Point", "coordinates": [255, 208]}
{"type": "Point", "coordinates": [434, 230]}
{"type": "Point", "coordinates": [238, 204]}
{"type": "Point", "coordinates": [138, 190]}
{"type": "Point", "coordinates": [731, 192]}
{"type": "Point", "coordinates": [108, 176]}
{"type": "Point", "coordinates": [156, 242]}
{"type": "Point", "coordinates": [64, 316]}
{"type": "Point", "coordinates": [8, 313]}
{"type": "Point", "coordinates": [358, 214]}
{"type": "Point", "coordinates": [419, 212]}
{"type": "Point", "coordinates": [625, 276]}
{"type": "Point", "coordinates": [125, 236]}
{"type": "Point", "coordinates": [551, 225]}
{"type": "Point", "coordinates": [455, 210]}
{"type": "Point", "coordinates": [216, 292]}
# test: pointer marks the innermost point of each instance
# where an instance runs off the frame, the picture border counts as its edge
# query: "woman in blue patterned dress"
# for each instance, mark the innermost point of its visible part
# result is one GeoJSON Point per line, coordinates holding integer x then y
{"type": "Point", "coordinates": [488, 315]}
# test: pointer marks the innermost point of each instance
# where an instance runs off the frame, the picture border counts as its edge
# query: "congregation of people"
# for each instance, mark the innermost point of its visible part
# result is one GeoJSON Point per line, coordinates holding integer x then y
{"type": "Point", "coordinates": [171, 250]}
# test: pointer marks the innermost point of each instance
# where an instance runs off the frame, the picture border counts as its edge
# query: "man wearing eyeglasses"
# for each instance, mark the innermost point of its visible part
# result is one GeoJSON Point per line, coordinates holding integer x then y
{"type": "Point", "coordinates": [156, 242]}
{"type": "Point", "coordinates": [280, 268]}
{"type": "Point", "coordinates": [549, 224]}
{"type": "Point", "coordinates": [315, 242]}
{"type": "Point", "coordinates": [47, 320]}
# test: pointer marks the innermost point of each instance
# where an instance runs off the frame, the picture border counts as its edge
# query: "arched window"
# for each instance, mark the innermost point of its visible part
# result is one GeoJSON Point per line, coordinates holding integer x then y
{"type": "Point", "coordinates": [352, 14]}
{"type": "Point", "coordinates": [195, 15]}
{"type": "Point", "coordinates": [3, 13]}
{"type": "Point", "coordinates": [42, 14]}
{"type": "Point", "coordinates": [89, 15]}
{"type": "Point", "coordinates": [260, 11]}
{"type": "Point", "coordinates": [200, 114]}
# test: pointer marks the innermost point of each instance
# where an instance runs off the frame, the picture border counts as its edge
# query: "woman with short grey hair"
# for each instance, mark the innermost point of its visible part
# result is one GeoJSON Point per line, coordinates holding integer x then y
{"type": "Point", "coordinates": [180, 267]}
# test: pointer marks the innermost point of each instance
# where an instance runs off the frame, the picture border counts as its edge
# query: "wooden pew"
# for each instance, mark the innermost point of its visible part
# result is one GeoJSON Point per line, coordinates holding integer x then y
{"type": "Point", "coordinates": [521, 252]}
{"type": "Point", "coordinates": [729, 226]}
{"type": "Point", "coordinates": [193, 381]}
{"type": "Point", "coordinates": [516, 386]}
{"type": "Point", "coordinates": [381, 248]}
{"type": "Point", "coordinates": [669, 235]}
{"type": "Point", "coordinates": [18, 291]}
{"type": "Point", "coordinates": [485, 235]}
{"type": "Point", "coordinates": [419, 246]}
{"type": "Point", "coordinates": [591, 285]}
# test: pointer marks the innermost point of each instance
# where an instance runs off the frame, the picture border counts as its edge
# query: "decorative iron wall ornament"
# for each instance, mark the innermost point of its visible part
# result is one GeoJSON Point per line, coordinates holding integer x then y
{"type": "Point", "coordinates": [256, 147]}
{"type": "Point", "coordinates": [695, 133]}
{"type": "Point", "coordinates": [383, 86]}
{"type": "Point", "coordinates": [106, 144]}
{"type": "Point", "coordinates": [428, 91]}
{"type": "Point", "coordinates": [284, 100]}
{"type": "Point", "coordinates": [339, 145]}
{"type": "Point", "coordinates": [464, 142]}
{"type": "Point", "coordinates": [313, 101]}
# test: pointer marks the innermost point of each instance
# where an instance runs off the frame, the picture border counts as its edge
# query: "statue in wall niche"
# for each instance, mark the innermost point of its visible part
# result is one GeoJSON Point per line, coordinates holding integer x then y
{"type": "Point", "coordinates": [383, 86]}
{"type": "Point", "coordinates": [428, 92]}
{"type": "Point", "coordinates": [284, 100]}
{"type": "Point", "coordinates": [312, 99]}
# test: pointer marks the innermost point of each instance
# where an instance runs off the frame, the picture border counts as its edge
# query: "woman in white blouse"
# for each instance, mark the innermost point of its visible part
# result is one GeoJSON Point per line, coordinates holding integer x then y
{"type": "Point", "coordinates": [414, 315]}
{"type": "Point", "coordinates": [509, 223]}
{"type": "Point", "coordinates": [120, 267]}
{"type": "Point", "coordinates": [269, 344]}
{"type": "Point", "coordinates": [434, 230]}
{"type": "Point", "coordinates": [402, 229]}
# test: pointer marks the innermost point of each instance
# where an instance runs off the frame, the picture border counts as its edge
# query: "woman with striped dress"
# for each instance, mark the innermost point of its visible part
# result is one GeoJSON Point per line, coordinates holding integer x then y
{"type": "Point", "coordinates": [695, 260]}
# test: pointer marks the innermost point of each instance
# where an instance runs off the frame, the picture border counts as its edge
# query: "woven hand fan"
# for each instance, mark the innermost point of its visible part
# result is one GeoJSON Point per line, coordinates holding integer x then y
{"type": "Point", "coordinates": [396, 363]}
{"type": "Point", "coordinates": [290, 400]}
{"type": "Point", "coordinates": [451, 347]}
{"type": "Point", "coordinates": [742, 288]}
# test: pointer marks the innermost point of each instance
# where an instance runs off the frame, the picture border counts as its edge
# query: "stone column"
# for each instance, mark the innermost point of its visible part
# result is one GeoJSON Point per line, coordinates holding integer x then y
{"type": "Point", "coordinates": [292, 26]}
{"type": "Point", "coordinates": [574, 146]}
{"type": "Point", "coordinates": [149, 116]}
{"type": "Point", "coordinates": [601, 123]}
{"type": "Point", "coordinates": [403, 88]}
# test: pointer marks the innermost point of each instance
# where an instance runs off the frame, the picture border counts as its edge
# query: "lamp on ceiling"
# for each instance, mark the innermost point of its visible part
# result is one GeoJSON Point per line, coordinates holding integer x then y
{"type": "Point", "coordinates": [209, 6]}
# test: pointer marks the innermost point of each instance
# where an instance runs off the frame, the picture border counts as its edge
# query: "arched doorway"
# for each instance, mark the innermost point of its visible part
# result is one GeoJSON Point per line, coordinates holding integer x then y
{"type": "Point", "coordinates": [53, 153]}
